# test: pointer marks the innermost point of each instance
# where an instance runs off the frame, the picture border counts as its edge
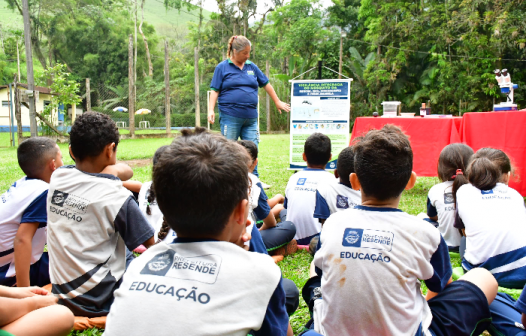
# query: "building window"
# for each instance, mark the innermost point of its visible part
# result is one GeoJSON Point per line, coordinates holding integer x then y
{"type": "Point", "coordinates": [5, 103]}
{"type": "Point", "coordinates": [46, 103]}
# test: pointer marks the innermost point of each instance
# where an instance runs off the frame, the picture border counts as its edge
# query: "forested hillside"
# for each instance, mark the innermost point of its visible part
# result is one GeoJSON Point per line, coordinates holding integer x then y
{"type": "Point", "coordinates": [442, 52]}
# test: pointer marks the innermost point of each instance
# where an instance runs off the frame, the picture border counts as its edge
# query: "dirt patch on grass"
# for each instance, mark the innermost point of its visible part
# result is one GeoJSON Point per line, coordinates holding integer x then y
{"type": "Point", "coordinates": [138, 163]}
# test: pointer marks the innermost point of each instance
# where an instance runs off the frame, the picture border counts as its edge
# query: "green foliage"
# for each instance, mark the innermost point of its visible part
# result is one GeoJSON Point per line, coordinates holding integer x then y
{"type": "Point", "coordinates": [65, 91]}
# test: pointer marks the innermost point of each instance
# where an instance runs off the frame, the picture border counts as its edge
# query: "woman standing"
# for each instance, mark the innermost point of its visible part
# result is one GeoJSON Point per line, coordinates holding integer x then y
{"type": "Point", "coordinates": [235, 86]}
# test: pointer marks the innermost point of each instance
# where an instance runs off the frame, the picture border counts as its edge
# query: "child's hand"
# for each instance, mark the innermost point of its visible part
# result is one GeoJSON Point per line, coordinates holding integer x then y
{"type": "Point", "coordinates": [245, 236]}
{"type": "Point", "coordinates": [43, 301]}
{"type": "Point", "coordinates": [24, 292]}
{"type": "Point", "coordinates": [281, 199]}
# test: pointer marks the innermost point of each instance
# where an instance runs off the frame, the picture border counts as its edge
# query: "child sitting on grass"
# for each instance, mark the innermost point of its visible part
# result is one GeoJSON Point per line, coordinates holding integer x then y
{"type": "Point", "coordinates": [492, 216]}
{"type": "Point", "coordinates": [278, 237]}
{"type": "Point", "coordinates": [372, 257]}
{"type": "Point", "coordinates": [203, 283]}
{"type": "Point", "coordinates": [332, 196]}
{"type": "Point", "coordinates": [32, 311]}
{"type": "Point", "coordinates": [300, 194]}
{"type": "Point", "coordinates": [23, 216]}
{"type": "Point", "coordinates": [92, 218]}
{"type": "Point", "coordinates": [452, 164]}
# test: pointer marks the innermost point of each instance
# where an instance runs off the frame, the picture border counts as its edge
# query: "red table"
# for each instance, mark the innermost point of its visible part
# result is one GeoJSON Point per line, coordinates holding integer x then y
{"type": "Point", "coordinates": [427, 135]}
{"type": "Point", "coordinates": [502, 130]}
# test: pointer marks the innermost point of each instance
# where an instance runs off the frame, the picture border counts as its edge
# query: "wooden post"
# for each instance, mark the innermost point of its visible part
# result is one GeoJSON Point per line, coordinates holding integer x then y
{"type": "Point", "coordinates": [267, 102]}
{"type": "Point", "coordinates": [29, 64]}
{"type": "Point", "coordinates": [18, 61]}
{"type": "Point", "coordinates": [167, 89]}
{"type": "Point", "coordinates": [341, 55]}
{"type": "Point", "coordinates": [10, 101]}
{"type": "Point", "coordinates": [88, 96]}
{"type": "Point", "coordinates": [196, 89]}
{"type": "Point", "coordinates": [73, 113]}
{"type": "Point", "coordinates": [18, 113]}
{"type": "Point", "coordinates": [131, 86]}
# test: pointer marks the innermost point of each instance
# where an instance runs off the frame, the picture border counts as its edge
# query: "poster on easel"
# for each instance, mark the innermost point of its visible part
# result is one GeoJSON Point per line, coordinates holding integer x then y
{"type": "Point", "coordinates": [319, 106]}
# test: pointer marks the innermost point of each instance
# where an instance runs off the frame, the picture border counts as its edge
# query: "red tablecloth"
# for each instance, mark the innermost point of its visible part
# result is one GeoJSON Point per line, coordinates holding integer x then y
{"type": "Point", "coordinates": [427, 135]}
{"type": "Point", "coordinates": [502, 130]}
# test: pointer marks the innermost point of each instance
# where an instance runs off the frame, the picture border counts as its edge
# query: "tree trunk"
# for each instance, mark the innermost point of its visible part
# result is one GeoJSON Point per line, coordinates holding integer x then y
{"type": "Point", "coordinates": [167, 89]}
{"type": "Point", "coordinates": [150, 65]}
{"type": "Point", "coordinates": [267, 102]}
{"type": "Point", "coordinates": [18, 114]}
{"type": "Point", "coordinates": [131, 88]}
{"type": "Point", "coordinates": [196, 87]}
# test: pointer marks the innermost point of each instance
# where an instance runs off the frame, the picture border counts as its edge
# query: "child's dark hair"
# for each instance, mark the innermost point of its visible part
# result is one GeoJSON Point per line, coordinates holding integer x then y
{"type": "Point", "coordinates": [345, 165]}
{"type": "Point", "coordinates": [318, 149]}
{"type": "Point", "coordinates": [151, 193]}
{"type": "Point", "coordinates": [251, 148]}
{"type": "Point", "coordinates": [34, 153]}
{"type": "Point", "coordinates": [200, 169]}
{"type": "Point", "coordinates": [452, 165]}
{"type": "Point", "coordinates": [383, 162]}
{"type": "Point", "coordinates": [485, 169]}
{"type": "Point", "coordinates": [91, 132]}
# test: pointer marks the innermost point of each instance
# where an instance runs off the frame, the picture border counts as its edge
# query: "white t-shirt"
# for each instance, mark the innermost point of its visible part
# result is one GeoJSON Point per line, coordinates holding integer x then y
{"type": "Point", "coordinates": [495, 226]}
{"type": "Point", "coordinates": [24, 202]}
{"type": "Point", "coordinates": [92, 218]}
{"type": "Point", "coordinates": [440, 203]}
{"type": "Point", "coordinates": [300, 200]}
{"type": "Point", "coordinates": [333, 196]}
{"type": "Point", "coordinates": [203, 288]}
{"type": "Point", "coordinates": [370, 262]}
{"type": "Point", "coordinates": [156, 214]}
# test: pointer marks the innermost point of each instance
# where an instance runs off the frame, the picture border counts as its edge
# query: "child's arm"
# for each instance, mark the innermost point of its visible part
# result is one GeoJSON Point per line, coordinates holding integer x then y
{"type": "Point", "coordinates": [121, 170]}
{"type": "Point", "coordinates": [269, 222]}
{"type": "Point", "coordinates": [21, 292]}
{"type": "Point", "coordinates": [430, 294]}
{"type": "Point", "coordinates": [278, 199]}
{"type": "Point", "coordinates": [23, 251]}
{"type": "Point", "coordinates": [13, 309]}
{"type": "Point", "coordinates": [134, 186]}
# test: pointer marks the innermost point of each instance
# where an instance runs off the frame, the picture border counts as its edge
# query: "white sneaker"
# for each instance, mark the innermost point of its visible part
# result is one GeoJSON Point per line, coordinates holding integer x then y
{"type": "Point", "coordinates": [265, 186]}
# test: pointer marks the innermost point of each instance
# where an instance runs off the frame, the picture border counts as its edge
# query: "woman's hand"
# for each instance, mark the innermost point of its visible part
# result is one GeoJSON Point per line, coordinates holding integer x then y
{"type": "Point", "coordinates": [282, 106]}
{"type": "Point", "coordinates": [211, 116]}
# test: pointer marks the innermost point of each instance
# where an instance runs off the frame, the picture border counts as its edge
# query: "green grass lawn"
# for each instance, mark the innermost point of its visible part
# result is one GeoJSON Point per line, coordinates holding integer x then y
{"type": "Point", "coordinates": [274, 153]}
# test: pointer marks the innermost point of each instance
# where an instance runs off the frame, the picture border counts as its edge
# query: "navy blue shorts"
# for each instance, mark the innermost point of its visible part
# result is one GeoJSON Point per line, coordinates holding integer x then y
{"type": "Point", "coordinates": [38, 273]}
{"type": "Point", "coordinates": [506, 320]}
{"type": "Point", "coordinates": [460, 309]}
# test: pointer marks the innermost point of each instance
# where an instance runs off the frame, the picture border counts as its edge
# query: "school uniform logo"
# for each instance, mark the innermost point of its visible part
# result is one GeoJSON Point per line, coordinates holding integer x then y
{"type": "Point", "coordinates": [373, 239]}
{"type": "Point", "coordinates": [59, 197]}
{"type": "Point", "coordinates": [250, 73]}
{"type": "Point", "coordinates": [352, 237]}
{"type": "Point", "coordinates": [160, 264]}
{"type": "Point", "coordinates": [448, 198]}
{"type": "Point", "coordinates": [301, 181]}
{"type": "Point", "coordinates": [486, 192]}
{"type": "Point", "coordinates": [342, 202]}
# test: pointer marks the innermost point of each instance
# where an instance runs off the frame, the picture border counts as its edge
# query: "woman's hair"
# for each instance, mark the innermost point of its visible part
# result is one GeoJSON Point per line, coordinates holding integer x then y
{"type": "Point", "coordinates": [485, 169]}
{"type": "Point", "coordinates": [237, 43]}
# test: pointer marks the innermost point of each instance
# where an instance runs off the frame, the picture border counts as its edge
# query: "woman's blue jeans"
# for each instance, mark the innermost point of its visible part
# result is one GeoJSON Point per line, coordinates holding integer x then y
{"type": "Point", "coordinates": [234, 128]}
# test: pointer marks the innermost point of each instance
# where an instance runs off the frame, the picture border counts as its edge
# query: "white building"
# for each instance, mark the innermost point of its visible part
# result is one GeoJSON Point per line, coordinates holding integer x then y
{"type": "Point", "coordinates": [41, 100]}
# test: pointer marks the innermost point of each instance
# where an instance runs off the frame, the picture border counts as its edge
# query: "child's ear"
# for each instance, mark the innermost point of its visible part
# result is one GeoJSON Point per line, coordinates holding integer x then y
{"type": "Point", "coordinates": [304, 157]}
{"type": "Point", "coordinates": [336, 173]}
{"type": "Point", "coordinates": [239, 212]}
{"type": "Point", "coordinates": [355, 183]}
{"type": "Point", "coordinates": [110, 150]}
{"type": "Point", "coordinates": [255, 163]}
{"type": "Point", "coordinates": [71, 153]}
{"type": "Point", "coordinates": [412, 181]}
